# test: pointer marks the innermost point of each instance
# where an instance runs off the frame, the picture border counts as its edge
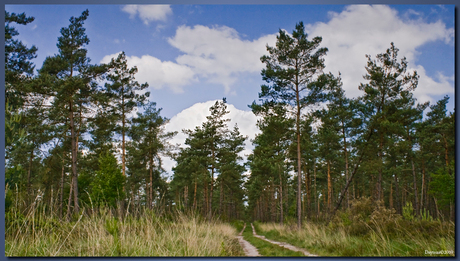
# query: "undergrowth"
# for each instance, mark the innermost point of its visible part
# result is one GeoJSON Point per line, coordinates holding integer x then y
{"type": "Point", "coordinates": [367, 229]}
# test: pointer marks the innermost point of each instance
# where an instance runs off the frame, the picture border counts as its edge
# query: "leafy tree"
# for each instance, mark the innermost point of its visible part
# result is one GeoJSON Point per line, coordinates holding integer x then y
{"type": "Point", "coordinates": [122, 89]}
{"type": "Point", "coordinates": [292, 68]}
{"type": "Point", "coordinates": [107, 184]}
{"type": "Point", "coordinates": [18, 64]}
{"type": "Point", "coordinates": [150, 140]}
{"type": "Point", "coordinates": [230, 179]}
{"type": "Point", "coordinates": [18, 71]}
{"type": "Point", "coordinates": [443, 185]}
{"type": "Point", "coordinates": [388, 83]}
{"type": "Point", "coordinates": [71, 81]}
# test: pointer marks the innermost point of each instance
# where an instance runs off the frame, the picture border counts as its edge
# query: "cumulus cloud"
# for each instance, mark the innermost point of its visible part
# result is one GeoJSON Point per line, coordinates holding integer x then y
{"type": "Point", "coordinates": [365, 29]}
{"type": "Point", "coordinates": [196, 114]}
{"type": "Point", "coordinates": [148, 13]}
{"type": "Point", "coordinates": [218, 54]}
{"type": "Point", "coordinates": [157, 73]}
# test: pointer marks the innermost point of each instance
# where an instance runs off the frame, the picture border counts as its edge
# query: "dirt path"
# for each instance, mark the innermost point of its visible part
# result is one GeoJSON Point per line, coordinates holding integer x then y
{"type": "Point", "coordinates": [282, 244]}
{"type": "Point", "coordinates": [249, 250]}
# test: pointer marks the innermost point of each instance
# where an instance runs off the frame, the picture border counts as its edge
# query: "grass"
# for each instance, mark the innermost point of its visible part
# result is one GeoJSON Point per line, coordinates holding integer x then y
{"type": "Point", "coordinates": [265, 248]}
{"type": "Point", "coordinates": [35, 232]}
{"type": "Point", "coordinates": [336, 241]}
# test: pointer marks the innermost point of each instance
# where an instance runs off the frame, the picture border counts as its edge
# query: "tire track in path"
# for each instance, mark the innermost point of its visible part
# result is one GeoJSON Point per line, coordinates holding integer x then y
{"type": "Point", "coordinates": [249, 250]}
{"type": "Point", "coordinates": [282, 244]}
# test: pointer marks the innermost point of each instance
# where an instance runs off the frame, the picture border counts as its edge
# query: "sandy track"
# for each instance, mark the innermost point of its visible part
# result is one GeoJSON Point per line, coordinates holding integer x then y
{"type": "Point", "coordinates": [282, 244]}
{"type": "Point", "coordinates": [249, 250]}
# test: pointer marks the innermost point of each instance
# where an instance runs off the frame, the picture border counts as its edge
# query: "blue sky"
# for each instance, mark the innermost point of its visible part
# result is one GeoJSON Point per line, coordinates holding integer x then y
{"type": "Point", "coordinates": [192, 55]}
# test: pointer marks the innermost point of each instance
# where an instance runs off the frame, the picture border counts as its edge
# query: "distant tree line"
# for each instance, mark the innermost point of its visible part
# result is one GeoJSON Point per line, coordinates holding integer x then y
{"type": "Point", "coordinates": [72, 140]}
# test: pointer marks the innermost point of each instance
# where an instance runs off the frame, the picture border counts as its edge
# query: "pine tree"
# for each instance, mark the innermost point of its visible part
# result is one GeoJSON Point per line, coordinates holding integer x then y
{"type": "Point", "coordinates": [149, 141]}
{"type": "Point", "coordinates": [122, 89]}
{"type": "Point", "coordinates": [388, 81]}
{"type": "Point", "coordinates": [71, 81]}
{"type": "Point", "coordinates": [107, 184]}
{"type": "Point", "coordinates": [292, 68]}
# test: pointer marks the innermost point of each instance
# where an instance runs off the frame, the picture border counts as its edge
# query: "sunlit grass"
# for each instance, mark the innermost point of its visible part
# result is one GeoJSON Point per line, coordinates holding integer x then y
{"type": "Point", "coordinates": [323, 240]}
{"type": "Point", "coordinates": [35, 233]}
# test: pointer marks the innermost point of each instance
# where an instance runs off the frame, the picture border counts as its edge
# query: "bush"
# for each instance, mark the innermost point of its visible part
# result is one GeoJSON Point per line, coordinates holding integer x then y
{"type": "Point", "coordinates": [364, 215]}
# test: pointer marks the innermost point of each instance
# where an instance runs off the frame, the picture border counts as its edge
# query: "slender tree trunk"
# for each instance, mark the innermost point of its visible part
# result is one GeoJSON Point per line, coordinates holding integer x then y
{"type": "Point", "coordinates": [397, 198]}
{"type": "Point", "coordinates": [221, 197]}
{"type": "Point", "coordinates": [194, 196]}
{"type": "Point", "coordinates": [299, 171]}
{"type": "Point", "coordinates": [316, 190]}
{"type": "Point", "coordinates": [61, 194]}
{"type": "Point", "coordinates": [417, 207]}
{"type": "Point", "coordinates": [206, 195]}
{"type": "Point", "coordinates": [307, 186]}
{"type": "Point", "coordinates": [423, 185]}
{"type": "Point", "coordinates": [329, 188]}
{"type": "Point", "coordinates": [212, 185]}
{"type": "Point", "coordinates": [29, 176]}
{"type": "Point", "coordinates": [185, 197]}
{"type": "Point", "coordinates": [70, 199]}
{"type": "Point", "coordinates": [346, 160]}
{"type": "Point", "coordinates": [391, 195]}
{"type": "Point", "coordinates": [151, 184]}
{"type": "Point", "coordinates": [74, 159]}
{"type": "Point", "coordinates": [281, 196]}
{"type": "Point", "coordinates": [379, 182]}
{"type": "Point", "coordinates": [273, 202]}
{"type": "Point", "coordinates": [446, 154]}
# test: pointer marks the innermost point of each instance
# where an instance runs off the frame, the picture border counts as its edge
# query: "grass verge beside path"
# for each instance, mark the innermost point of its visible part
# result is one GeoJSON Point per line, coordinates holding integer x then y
{"type": "Point", "coordinates": [324, 241]}
{"type": "Point", "coordinates": [103, 234]}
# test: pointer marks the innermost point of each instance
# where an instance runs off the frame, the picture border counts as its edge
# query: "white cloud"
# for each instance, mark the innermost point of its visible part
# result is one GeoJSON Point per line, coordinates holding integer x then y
{"type": "Point", "coordinates": [148, 13]}
{"type": "Point", "coordinates": [219, 54]}
{"type": "Point", "coordinates": [157, 73]}
{"type": "Point", "coordinates": [365, 29]}
{"type": "Point", "coordinates": [196, 114]}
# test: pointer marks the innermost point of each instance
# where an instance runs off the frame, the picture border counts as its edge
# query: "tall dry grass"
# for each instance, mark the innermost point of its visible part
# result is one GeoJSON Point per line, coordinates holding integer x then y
{"type": "Point", "coordinates": [379, 233]}
{"type": "Point", "coordinates": [34, 232]}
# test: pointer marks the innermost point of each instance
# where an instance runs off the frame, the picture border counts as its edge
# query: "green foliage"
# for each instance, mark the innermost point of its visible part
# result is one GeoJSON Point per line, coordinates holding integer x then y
{"type": "Point", "coordinates": [107, 184]}
{"type": "Point", "coordinates": [443, 185]}
{"type": "Point", "coordinates": [408, 211]}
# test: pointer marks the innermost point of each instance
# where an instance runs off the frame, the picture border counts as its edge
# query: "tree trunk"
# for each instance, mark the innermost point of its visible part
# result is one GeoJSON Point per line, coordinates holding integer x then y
{"type": "Point", "coordinates": [307, 186]}
{"type": "Point", "coordinates": [212, 184]}
{"type": "Point", "coordinates": [273, 202]}
{"type": "Point", "coordinates": [346, 161]}
{"type": "Point", "coordinates": [74, 159]}
{"type": "Point", "coordinates": [221, 197]}
{"type": "Point", "coordinates": [61, 194]}
{"type": "Point", "coordinates": [194, 196]}
{"type": "Point", "coordinates": [151, 184]}
{"type": "Point", "coordinates": [397, 197]}
{"type": "Point", "coordinates": [281, 196]}
{"type": "Point", "coordinates": [29, 175]}
{"type": "Point", "coordinates": [417, 207]}
{"type": "Point", "coordinates": [299, 171]}
{"type": "Point", "coordinates": [391, 195]}
{"type": "Point", "coordinates": [329, 188]}
{"type": "Point", "coordinates": [316, 190]}
{"type": "Point", "coordinates": [185, 197]}
{"type": "Point", "coordinates": [379, 182]}
{"type": "Point", "coordinates": [423, 185]}
{"type": "Point", "coordinates": [70, 200]}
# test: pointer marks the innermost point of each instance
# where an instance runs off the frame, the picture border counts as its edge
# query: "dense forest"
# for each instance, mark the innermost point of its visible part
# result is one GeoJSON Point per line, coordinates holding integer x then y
{"type": "Point", "coordinates": [81, 136]}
